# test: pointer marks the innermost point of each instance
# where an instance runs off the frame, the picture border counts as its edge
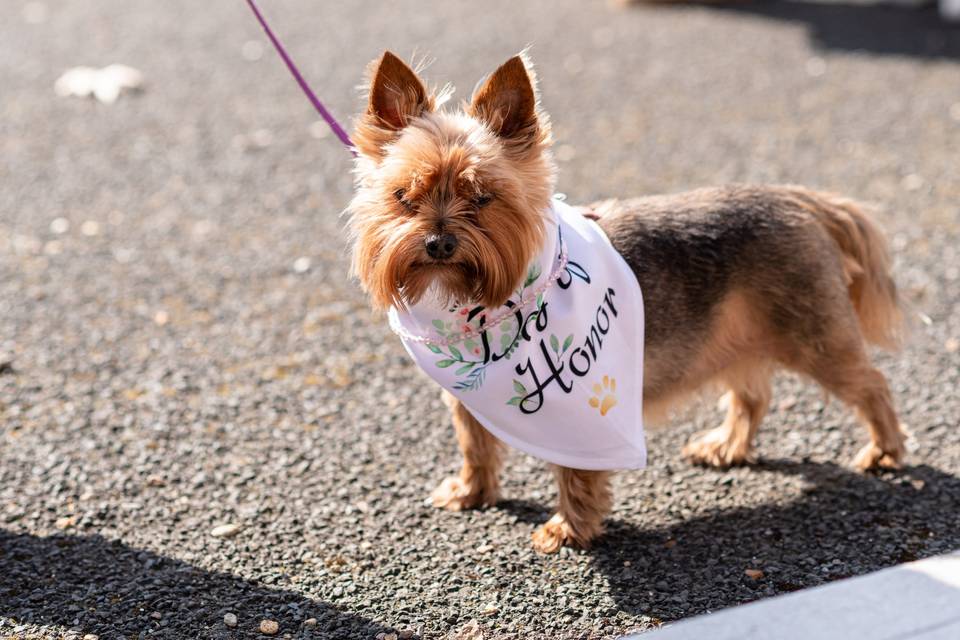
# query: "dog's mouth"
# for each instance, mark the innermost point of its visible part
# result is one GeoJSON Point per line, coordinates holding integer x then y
{"type": "Point", "coordinates": [449, 281]}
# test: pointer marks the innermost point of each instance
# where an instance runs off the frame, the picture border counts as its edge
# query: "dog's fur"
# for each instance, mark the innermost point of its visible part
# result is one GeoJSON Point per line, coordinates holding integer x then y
{"type": "Point", "coordinates": [737, 281]}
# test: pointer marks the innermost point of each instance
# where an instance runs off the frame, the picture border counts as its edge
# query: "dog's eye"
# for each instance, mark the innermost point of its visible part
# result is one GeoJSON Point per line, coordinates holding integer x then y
{"type": "Point", "coordinates": [481, 200]}
{"type": "Point", "coordinates": [400, 195]}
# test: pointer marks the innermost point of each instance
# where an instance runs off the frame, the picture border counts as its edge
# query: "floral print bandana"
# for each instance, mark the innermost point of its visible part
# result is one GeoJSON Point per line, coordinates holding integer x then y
{"type": "Point", "coordinates": [557, 371]}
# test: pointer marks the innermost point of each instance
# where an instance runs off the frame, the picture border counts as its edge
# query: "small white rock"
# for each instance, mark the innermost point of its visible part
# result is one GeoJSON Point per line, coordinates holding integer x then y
{"type": "Point", "coordinates": [816, 67]}
{"type": "Point", "coordinates": [301, 264]}
{"type": "Point", "coordinates": [251, 50]}
{"type": "Point", "coordinates": [261, 138]}
{"type": "Point", "coordinates": [230, 619]}
{"type": "Point", "coordinates": [59, 226]}
{"type": "Point", "coordinates": [269, 627]}
{"type": "Point", "coordinates": [310, 622]}
{"type": "Point", "coordinates": [226, 530]}
{"type": "Point", "coordinates": [912, 182]}
{"type": "Point", "coordinates": [955, 111]}
{"type": "Point", "coordinates": [90, 228]}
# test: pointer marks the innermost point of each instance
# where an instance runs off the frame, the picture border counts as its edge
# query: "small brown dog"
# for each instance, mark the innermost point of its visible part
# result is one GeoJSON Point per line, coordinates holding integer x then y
{"type": "Point", "coordinates": [738, 281]}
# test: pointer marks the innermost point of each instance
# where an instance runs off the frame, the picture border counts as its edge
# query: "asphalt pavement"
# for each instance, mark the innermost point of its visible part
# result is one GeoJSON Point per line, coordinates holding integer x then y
{"type": "Point", "coordinates": [200, 417]}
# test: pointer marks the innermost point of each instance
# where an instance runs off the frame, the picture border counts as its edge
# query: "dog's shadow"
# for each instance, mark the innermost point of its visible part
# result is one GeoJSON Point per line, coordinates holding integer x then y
{"type": "Point", "coordinates": [95, 585]}
{"type": "Point", "coordinates": [845, 524]}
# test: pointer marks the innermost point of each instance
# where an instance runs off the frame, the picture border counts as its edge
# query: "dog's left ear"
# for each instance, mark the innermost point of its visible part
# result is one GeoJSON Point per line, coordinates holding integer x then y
{"type": "Point", "coordinates": [507, 100]}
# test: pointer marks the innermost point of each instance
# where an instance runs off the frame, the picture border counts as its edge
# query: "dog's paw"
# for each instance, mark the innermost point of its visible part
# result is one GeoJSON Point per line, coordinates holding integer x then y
{"type": "Point", "coordinates": [714, 449]}
{"type": "Point", "coordinates": [454, 495]}
{"type": "Point", "coordinates": [872, 457]}
{"type": "Point", "coordinates": [555, 533]}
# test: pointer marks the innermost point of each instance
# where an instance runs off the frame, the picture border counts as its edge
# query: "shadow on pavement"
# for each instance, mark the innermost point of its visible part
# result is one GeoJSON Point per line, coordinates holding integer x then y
{"type": "Point", "coordinates": [845, 524]}
{"type": "Point", "coordinates": [858, 27]}
{"type": "Point", "coordinates": [104, 587]}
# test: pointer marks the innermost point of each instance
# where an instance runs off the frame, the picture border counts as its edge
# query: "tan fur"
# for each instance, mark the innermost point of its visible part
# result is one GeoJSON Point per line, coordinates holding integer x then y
{"type": "Point", "coordinates": [866, 264]}
{"type": "Point", "coordinates": [737, 281]}
{"type": "Point", "coordinates": [585, 499]}
{"type": "Point", "coordinates": [478, 484]}
{"type": "Point", "coordinates": [440, 161]}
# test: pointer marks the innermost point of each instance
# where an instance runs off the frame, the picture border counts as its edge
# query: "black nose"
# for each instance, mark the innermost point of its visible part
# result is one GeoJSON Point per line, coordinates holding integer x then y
{"type": "Point", "coordinates": [440, 246]}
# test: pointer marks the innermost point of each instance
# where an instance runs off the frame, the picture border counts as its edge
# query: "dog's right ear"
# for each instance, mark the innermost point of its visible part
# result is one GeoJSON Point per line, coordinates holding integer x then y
{"type": "Point", "coordinates": [396, 97]}
{"type": "Point", "coordinates": [396, 93]}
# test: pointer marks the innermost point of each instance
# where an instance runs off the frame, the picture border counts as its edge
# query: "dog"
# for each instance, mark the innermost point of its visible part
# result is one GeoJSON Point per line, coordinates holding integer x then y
{"type": "Point", "coordinates": [738, 281]}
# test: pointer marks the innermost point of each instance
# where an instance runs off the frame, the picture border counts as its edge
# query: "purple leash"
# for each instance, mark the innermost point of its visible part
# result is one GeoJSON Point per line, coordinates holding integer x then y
{"type": "Point", "coordinates": [314, 100]}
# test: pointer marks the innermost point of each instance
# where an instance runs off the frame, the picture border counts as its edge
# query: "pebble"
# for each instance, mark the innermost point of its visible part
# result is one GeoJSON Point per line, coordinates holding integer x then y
{"type": "Point", "coordinates": [269, 627]}
{"type": "Point", "coordinates": [90, 228]}
{"type": "Point", "coordinates": [230, 619]}
{"type": "Point", "coordinates": [59, 226]}
{"type": "Point", "coordinates": [310, 622]}
{"type": "Point", "coordinates": [301, 265]}
{"type": "Point", "coordinates": [816, 67]}
{"type": "Point", "coordinates": [261, 138]}
{"type": "Point", "coordinates": [912, 182]}
{"type": "Point", "coordinates": [226, 530]}
{"type": "Point", "coordinates": [91, 636]}
{"type": "Point", "coordinates": [251, 50]}
{"type": "Point", "coordinates": [753, 574]}
{"type": "Point", "coordinates": [470, 631]}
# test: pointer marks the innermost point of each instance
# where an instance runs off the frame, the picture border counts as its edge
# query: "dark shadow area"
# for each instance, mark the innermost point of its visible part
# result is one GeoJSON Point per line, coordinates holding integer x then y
{"type": "Point", "coordinates": [98, 586]}
{"type": "Point", "coordinates": [873, 29]}
{"type": "Point", "coordinates": [845, 524]}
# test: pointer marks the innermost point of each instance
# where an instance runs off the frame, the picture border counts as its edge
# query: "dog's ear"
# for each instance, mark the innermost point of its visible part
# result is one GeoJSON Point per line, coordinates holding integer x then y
{"type": "Point", "coordinates": [507, 100]}
{"type": "Point", "coordinates": [396, 97]}
{"type": "Point", "coordinates": [396, 93]}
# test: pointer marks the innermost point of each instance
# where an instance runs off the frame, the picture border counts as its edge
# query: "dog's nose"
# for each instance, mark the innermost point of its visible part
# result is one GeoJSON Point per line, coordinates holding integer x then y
{"type": "Point", "coordinates": [440, 246]}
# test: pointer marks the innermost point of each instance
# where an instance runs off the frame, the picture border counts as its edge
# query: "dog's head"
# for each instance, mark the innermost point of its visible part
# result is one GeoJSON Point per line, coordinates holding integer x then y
{"type": "Point", "coordinates": [450, 202]}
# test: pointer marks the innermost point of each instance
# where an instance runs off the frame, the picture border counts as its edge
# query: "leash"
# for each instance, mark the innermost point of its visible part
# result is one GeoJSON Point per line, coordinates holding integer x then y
{"type": "Point", "coordinates": [311, 96]}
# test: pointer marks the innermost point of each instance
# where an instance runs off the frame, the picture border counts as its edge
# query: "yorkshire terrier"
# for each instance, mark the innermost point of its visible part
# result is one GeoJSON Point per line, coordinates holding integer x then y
{"type": "Point", "coordinates": [738, 281]}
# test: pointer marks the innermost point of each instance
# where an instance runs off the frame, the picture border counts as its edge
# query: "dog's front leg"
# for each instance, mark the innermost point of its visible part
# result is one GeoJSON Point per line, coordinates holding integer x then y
{"type": "Point", "coordinates": [585, 498]}
{"type": "Point", "coordinates": [478, 484]}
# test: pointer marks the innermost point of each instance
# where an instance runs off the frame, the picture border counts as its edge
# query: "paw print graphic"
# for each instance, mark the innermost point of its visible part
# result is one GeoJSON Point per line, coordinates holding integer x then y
{"type": "Point", "coordinates": [606, 397]}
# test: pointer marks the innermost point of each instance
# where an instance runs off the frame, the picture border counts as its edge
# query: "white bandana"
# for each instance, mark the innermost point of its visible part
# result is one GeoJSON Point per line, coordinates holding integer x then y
{"type": "Point", "coordinates": [557, 371]}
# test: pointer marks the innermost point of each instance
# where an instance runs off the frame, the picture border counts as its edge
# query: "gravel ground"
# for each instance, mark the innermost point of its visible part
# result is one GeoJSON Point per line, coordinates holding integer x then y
{"type": "Point", "coordinates": [181, 348]}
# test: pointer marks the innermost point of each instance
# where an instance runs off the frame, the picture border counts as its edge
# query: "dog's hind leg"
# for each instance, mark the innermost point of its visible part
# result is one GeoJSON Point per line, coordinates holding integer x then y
{"type": "Point", "coordinates": [478, 484]}
{"type": "Point", "coordinates": [585, 498]}
{"type": "Point", "coordinates": [748, 400]}
{"type": "Point", "coordinates": [848, 374]}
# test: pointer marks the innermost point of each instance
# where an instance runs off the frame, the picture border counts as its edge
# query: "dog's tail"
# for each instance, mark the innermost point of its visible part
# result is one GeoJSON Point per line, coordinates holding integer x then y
{"type": "Point", "coordinates": [866, 265]}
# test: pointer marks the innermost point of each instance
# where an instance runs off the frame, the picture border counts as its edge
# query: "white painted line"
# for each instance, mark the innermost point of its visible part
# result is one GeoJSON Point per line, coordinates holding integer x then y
{"type": "Point", "coordinates": [915, 601]}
